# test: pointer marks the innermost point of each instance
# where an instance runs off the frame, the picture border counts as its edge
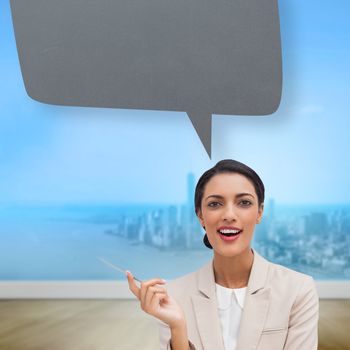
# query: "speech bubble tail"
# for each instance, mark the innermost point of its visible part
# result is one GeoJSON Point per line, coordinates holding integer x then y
{"type": "Point", "coordinates": [202, 124]}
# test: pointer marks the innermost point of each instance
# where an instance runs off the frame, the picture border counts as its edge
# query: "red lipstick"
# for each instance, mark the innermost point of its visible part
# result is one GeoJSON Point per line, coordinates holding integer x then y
{"type": "Point", "coordinates": [229, 233]}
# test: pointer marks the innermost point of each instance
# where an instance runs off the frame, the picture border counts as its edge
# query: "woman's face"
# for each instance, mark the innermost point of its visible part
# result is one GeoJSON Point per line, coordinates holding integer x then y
{"type": "Point", "coordinates": [229, 213]}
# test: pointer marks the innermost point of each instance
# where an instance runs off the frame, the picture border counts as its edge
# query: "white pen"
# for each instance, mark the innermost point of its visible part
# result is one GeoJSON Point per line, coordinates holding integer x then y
{"type": "Point", "coordinates": [117, 268]}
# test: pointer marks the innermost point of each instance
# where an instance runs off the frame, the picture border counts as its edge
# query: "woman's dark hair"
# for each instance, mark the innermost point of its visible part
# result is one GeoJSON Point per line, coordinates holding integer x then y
{"type": "Point", "coordinates": [227, 166]}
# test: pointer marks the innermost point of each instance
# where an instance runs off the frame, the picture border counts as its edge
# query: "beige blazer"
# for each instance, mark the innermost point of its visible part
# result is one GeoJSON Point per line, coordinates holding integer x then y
{"type": "Point", "coordinates": [280, 309]}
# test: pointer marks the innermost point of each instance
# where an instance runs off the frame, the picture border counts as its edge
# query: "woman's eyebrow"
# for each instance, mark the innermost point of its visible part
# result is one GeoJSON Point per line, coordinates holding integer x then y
{"type": "Point", "coordinates": [237, 196]}
{"type": "Point", "coordinates": [214, 196]}
{"type": "Point", "coordinates": [244, 194]}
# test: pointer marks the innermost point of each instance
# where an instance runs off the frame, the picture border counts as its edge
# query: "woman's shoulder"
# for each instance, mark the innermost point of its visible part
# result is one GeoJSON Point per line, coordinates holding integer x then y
{"type": "Point", "coordinates": [281, 272]}
{"type": "Point", "coordinates": [276, 276]}
{"type": "Point", "coordinates": [285, 279]}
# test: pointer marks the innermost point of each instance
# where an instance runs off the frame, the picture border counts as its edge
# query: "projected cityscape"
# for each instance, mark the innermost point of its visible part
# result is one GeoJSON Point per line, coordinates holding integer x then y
{"type": "Point", "coordinates": [165, 240]}
{"type": "Point", "coordinates": [311, 239]}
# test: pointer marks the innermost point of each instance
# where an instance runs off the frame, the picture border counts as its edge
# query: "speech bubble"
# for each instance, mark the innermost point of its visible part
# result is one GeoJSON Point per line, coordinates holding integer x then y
{"type": "Point", "coordinates": [197, 56]}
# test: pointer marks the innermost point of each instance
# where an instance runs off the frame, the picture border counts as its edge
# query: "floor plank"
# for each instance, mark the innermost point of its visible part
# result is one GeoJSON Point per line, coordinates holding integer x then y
{"type": "Point", "coordinates": [119, 325]}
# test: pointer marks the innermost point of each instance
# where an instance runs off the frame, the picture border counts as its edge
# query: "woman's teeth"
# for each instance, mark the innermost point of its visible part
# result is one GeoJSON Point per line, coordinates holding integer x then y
{"type": "Point", "coordinates": [228, 232]}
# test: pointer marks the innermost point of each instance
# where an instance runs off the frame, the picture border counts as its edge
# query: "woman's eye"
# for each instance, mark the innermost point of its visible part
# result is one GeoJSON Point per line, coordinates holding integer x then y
{"type": "Point", "coordinates": [213, 204]}
{"type": "Point", "coordinates": [245, 203]}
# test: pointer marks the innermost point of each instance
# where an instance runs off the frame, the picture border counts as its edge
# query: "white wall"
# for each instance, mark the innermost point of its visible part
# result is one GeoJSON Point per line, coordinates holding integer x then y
{"type": "Point", "coordinates": [119, 290]}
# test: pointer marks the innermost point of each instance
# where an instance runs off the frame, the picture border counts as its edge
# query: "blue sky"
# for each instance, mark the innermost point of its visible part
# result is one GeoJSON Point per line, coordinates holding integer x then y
{"type": "Point", "coordinates": [64, 154]}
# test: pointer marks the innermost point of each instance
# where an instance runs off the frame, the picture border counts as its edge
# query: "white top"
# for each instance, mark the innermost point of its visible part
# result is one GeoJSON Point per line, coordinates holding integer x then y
{"type": "Point", "coordinates": [230, 306]}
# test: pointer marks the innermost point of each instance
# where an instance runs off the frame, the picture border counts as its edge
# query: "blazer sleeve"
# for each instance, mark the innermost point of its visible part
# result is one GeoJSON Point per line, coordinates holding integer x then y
{"type": "Point", "coordinates": [303, 321]}
{"type": "Point", "coordinates": [165, 337]}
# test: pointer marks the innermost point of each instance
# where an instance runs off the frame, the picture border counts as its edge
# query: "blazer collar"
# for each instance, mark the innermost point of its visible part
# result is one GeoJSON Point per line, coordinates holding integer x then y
{"type": "Point", "coordinates": [258, 274]}
{"type": "Point", "coordinates": [256, 305]}
{"type": "Point", "coordinates": [205, 309]}
{"type": "Point", "coordinates": [257, 278]}
{"type": "Point", "coordinates": [254, 312]}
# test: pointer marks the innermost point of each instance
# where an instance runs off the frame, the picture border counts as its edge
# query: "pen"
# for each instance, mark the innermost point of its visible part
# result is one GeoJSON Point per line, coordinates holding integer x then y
{"type": "Point", "coordinates": [117, 268]}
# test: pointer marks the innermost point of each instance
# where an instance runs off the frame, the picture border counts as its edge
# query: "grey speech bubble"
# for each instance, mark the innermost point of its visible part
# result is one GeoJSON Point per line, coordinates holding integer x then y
{"type": "Point", "coordinates": [198, 56]}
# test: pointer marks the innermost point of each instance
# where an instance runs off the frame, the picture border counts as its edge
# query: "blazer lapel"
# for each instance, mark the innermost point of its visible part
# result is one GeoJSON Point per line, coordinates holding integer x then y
{"type": "Point", "coordinates": [255, 306]}
{"type": "Point", "coordinates": [206, 312]}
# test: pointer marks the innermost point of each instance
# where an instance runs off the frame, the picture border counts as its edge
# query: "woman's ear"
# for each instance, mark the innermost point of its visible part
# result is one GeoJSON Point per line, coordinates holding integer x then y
{"type": "Point", "coordinates": [260, 213]}
{"type": "Point", "coordinates": [200, 218]}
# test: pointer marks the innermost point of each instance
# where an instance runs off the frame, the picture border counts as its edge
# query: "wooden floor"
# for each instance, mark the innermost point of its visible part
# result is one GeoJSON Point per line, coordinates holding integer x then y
{"type": "Point", "coordinates": [119, 325]}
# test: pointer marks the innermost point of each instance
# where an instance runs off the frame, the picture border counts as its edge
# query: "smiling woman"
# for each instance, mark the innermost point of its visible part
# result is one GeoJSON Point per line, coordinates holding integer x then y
{"type": "Point", "coordinates": [239, 300]}
{"type": "Point", "coordinates": [233, 191]}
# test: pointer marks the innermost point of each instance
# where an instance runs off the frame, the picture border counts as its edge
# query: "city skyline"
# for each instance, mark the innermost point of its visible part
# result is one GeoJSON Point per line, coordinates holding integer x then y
{"type": "Point", "coordinates": [307, 240]}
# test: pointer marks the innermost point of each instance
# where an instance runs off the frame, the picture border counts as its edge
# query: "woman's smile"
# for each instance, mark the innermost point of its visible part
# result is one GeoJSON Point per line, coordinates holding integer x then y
{"type": "Point", "coordinates": [229, 233]}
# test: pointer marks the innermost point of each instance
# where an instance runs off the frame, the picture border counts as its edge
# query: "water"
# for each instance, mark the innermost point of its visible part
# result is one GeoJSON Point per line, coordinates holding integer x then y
{"type": "Point", "coordinates": [63, 242]}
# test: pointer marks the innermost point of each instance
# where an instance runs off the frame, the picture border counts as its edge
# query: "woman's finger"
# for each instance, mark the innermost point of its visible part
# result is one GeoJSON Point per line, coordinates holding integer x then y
{"type": "Point", "coordinates": [151, 291]}
{"type": "Point", "coordinates": [157, 299]}
{"type": "Point", "coordinates": [152, 306]}
{"type": "Point", "coordinates": [145, 285]}
{"type": "Point", "coordinates": [132, 285]}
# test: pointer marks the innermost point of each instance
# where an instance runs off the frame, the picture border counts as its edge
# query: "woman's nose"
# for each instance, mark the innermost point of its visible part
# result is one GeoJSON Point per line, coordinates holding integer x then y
{"type": "Point", "coordinates": [230, 213]}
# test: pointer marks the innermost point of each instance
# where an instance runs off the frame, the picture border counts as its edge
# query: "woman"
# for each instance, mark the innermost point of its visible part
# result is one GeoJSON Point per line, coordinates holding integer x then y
{"type": "Point", "coordinates": [239, 300]}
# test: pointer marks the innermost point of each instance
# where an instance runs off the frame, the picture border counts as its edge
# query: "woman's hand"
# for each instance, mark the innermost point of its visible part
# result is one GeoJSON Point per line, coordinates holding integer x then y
{"type": "Point", "coordinates": [155, 301]}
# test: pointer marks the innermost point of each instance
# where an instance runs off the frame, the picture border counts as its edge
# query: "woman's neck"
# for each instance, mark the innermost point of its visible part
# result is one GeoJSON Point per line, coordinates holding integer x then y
{"type": "Point", "coordinates": [233, 272]}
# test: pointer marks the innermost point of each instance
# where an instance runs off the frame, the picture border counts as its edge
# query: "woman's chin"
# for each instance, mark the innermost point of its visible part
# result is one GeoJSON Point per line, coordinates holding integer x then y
{"type": "Point", "coordinates": [229, 251]}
